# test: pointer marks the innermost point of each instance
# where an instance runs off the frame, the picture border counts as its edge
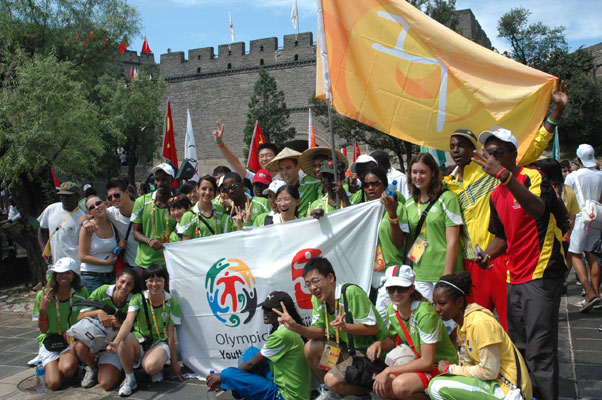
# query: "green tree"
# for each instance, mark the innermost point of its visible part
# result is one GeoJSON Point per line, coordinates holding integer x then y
{"type": "Point", "coordinates": [546, 48]}
{"type": "Point", "coordinates": [442, 11]}
{"type": "Point", "coordinates": [53, 54]}
{"type": "Point", "coordinates": [267, 106]}
{"type": "Point", "coordinates": [531, 43]}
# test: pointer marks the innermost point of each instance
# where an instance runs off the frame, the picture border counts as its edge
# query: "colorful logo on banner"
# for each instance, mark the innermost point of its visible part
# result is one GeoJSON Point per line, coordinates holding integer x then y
{"type": "Point", "coordinates": [231, 291]}
{"type": "Point", "coordinates": [302, 295]}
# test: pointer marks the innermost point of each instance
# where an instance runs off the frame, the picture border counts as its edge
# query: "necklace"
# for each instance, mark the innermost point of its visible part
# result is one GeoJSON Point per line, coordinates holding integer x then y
{"type": "Point", "coordinates": [166, 231]}
{"type": "Point", "coordinates": [163, 317]}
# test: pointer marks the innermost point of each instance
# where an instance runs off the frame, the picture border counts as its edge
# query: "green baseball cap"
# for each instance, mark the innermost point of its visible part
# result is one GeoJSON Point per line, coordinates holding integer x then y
{"type": "Point", "coordinates": [68, 188]}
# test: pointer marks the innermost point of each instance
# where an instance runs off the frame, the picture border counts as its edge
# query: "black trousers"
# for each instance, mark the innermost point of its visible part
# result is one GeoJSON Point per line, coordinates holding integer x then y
{"type": "Point", "coordinates": [533, 327]}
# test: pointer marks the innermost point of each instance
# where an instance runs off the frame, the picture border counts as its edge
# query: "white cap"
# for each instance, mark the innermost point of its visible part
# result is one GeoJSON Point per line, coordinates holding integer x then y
{"type": "Point", "coordinates": [87, 186]}
{"type": "Point", "coordinates": [585, 152]}
{"type": "Point", "coordinates": [220, 181]}
{"type": "Point", "coordinates": [501, 133]}
{"type": "Point", "coordinates": [65, 264]}
{"type": "Point", "coordinates": [400, 275]}
{"type": "Point", "coordinates": [362, 159]}
{"type": "Point", "coordinates": [165, 168]}
{"type": "Point", "coordinates": [274, 186]}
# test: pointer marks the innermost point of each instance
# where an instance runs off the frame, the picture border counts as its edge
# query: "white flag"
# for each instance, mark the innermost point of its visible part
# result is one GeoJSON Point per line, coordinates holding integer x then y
{"type": "Point", "coordinates": [295, 16]}
{"type": "Point", "coordinates": [190, 147]}
{"type": "Point", "coordinates": [231, 28]}
{"type": "Point", "coordinates": [219, 280]}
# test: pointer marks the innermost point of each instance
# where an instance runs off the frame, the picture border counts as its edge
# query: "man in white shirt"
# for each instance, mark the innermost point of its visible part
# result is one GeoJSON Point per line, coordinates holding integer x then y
{"type": "Point", "coordinates": [58, 234]}
{"type": "Point", "coordinates": [587, 184]}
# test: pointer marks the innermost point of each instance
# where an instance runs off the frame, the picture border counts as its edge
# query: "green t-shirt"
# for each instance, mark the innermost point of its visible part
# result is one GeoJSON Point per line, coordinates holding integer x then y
{"type": "Point", "coordinates": [425, 327]}
{"type": "Point", "coordinates": [263, 203]}
{"type": "Point", "coordinates": [363, 312]}
{"type": "Point", "coordinates": [446, 212]}
{"type": "Point", "coordinates": [156, 224]}
{"type": "Point", "coordinates": [259, 206]}
{"type": "Point", "coordinates": [105, 294]}
{"type": "Point", "coordinates": [168, 317]}
{"type": "Point", "coordinates": [192, 222]}
{"type": "Point", "coordinates": [391, 254]}
{"type": "Point", "coordinates": [53, 326]}
{"type": "Point", "coordinates": [284, 350]}
{"type": "Point", "coordinates": [310, 190]}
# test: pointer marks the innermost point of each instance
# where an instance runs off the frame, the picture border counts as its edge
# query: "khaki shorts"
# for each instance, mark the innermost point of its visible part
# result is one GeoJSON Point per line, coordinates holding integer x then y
{"type": "Point", "coordinates": [345, 360]}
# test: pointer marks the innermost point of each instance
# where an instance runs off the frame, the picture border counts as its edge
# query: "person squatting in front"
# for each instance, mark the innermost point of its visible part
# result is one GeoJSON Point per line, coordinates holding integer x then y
{"type": "Point", "coordinates": [285, 375]}
{"type": "Point", "coordinates": [153, 315]}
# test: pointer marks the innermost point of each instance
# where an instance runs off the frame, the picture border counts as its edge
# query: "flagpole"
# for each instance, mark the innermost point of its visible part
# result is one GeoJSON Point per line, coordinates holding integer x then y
{"type": "Point", "coordinates": [333, 151]}
{"type": "Point", "coordinates": [252, 141]}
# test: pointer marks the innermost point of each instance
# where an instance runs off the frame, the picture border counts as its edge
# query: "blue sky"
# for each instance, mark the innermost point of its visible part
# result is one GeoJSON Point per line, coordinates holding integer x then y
{"type": "Point", "coordinates": [188, 24]}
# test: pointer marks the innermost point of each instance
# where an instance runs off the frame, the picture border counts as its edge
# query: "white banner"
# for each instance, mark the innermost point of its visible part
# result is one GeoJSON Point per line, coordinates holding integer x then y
{"type": "Point", "coordinates": [219, 280]}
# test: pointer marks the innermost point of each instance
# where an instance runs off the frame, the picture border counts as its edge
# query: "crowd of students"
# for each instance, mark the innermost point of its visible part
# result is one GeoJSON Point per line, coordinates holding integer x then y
{"type": "Point", "coordinates": [492, 217]}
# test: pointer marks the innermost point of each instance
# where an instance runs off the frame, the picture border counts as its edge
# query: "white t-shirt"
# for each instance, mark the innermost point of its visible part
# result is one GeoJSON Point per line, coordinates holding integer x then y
{"type": "Point", "coordinates": [100, 248]}
{"type": "Point", "coordinates": [121, 222]}
{"type": "Point", "coordinates": [402, 181]}
{"type": "Point", "coordinates": [64, 243]}
{"type": "Point", "coordinates": [590, 180]}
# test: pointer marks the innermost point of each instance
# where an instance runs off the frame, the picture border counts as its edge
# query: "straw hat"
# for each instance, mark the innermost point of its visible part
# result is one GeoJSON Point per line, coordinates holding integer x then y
{"type": "Point", "coordinates": [283, 155]}
{"type": "Point", "coordinates": [307, 158]}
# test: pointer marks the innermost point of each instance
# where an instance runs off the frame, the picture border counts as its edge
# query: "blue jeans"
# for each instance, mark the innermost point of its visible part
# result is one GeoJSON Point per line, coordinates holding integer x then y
{"type": "Point", "coordinates": [93, 280]}
{"type": "Point", "coordinates": [258, 385]}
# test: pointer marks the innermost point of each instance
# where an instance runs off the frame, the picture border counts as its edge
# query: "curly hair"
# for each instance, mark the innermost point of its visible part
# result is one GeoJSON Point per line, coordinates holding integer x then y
{"type": "Point", "coordinates": [456, 285]}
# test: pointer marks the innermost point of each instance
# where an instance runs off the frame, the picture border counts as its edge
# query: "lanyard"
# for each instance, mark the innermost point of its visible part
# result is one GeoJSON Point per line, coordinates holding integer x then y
{"type": "Point", "coordinates": [58, 312]}
{"type": "Point", "coordinates": [336, 306]}
{"type": "Point", "coordinates": [166, 231]}
{"type": "Point", "coordinates": [407, 334]}
{"type": "Point", "coordinates": [59, 226]}
{"type": "Point", "coordinates": [200, 217]}
{"type": "Point", "coordinates": [163, 316]}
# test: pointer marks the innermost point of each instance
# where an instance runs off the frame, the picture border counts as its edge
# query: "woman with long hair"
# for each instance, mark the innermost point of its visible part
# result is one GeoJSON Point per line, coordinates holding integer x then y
{"type": "Point", "coordinates": [412, 319]}
{"type": "Point", "coordinates": [434, 248]}
{"type": "Point", "coordinates": [206, 218]}
{"type": "Point", "coordinates": [277, 371]}
{"type": "Point", "coordinates": [96, 248]}
{"type": "Point", "coordinates": [107, 369]}
{"type": "Point", "coordinates": [490, 365]}
{"type": "Point", "coordinates": [153, 315]}
{"type": "Point", "coordinates": [55, 312]}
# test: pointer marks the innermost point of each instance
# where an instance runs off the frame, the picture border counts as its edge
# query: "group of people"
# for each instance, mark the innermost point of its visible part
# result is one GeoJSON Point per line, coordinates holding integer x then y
{"type": "Point", "coordinates": [492, 217]}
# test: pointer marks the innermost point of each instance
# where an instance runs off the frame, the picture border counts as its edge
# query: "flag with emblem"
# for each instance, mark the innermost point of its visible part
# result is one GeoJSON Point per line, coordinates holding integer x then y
{"type": "Point", "coordinates": [169, 139]}
{"type": "Point", "coordinates": [256, 140]}
{"type": "Point", "coordinates": [391, 67]}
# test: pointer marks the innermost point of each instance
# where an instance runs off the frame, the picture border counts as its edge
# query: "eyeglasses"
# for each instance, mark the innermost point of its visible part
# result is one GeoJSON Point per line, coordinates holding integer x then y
{"type": "Point", "coordinates": [231, 187]}
{"type": "Point", "coordinates": [113, 196]}
{"type": "Point", "coordinates": [313, 282]}
{"type": "Point", "coordinates": [371, 183]}
{"type": "Point", "coordinates": [152, 281]}
{"type": "Point", "coordinates": [93, 206]}
{"type": "Point", "coordinates": [400, 289]}
{"type": "Point", "coordinates": [496, 151]}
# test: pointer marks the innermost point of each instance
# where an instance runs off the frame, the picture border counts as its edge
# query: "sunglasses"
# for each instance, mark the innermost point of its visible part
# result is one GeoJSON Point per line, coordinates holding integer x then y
{"type": "Point", "coordinates": [496, 151]}
{"type": "Point", "coordinates": [400, 289]}
{"type": "Point", "coordinates": [93, 206]}
{"type": "Point", "coordinates": [371, 183]}
{"type": "Point", "coordinates": [113, 196]}
{"type": "Point", "coordinates": [174, 199]}
{"type": "Point", "coordinates": [231, 187]}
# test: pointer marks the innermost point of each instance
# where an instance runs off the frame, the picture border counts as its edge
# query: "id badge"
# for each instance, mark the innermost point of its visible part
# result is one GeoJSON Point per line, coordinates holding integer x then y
{"type": "Point", "coordinates": [379, 261]}
{"type": "Point", "coordinates": [330, 356]}
{"type": "Point", "coordinates": [418, 248]}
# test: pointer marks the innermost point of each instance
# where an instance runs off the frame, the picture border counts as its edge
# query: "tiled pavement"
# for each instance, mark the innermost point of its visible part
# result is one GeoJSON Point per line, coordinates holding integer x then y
{"type": "Point", "coordinates": [580, 357]}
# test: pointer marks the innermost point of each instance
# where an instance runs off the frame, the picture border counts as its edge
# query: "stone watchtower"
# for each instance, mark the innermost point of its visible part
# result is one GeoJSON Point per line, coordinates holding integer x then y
{"type": "Point", "coordinates": [217, 87]}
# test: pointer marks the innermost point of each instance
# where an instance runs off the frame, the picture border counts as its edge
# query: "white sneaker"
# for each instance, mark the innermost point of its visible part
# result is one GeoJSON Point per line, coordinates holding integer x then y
{"type": "Point", "coordinates": [127, 386]}
{"type": "Point", "coordinates": [326, 394]}
{"type": "Point", "coordinates": [34, 361]}
{"type": "Point", "coordinates": [90, 378]}
{"type": "Point", "coordinates": [158, 377]}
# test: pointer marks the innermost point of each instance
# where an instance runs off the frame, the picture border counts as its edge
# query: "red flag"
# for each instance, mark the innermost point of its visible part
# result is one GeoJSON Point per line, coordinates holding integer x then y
{"type": "Point", "coordinates": [124, 44]}
{"type": "Point", "coordinates": [169, 140]}
{"type": "Point", "coordinates": [256, 140]}
{"type": "Point", "coordinates": [132, 73]}
{"type": "Point", "coordinates": [356, 151]}
{"type": "Point", "coordinates": [344, 151]}
{"type": "Point", "coordinates": [57, 184]}
{"type": "Point", "coordinates": [311, 137]}
{"type": "Point", "coordinates": [145, 47]}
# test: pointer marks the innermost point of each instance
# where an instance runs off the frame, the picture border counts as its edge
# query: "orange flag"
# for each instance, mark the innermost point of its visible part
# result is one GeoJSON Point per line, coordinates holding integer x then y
{"type": "Point", "coordinates": [256, 140]}
{"type": "Point", "coordinates": [393, 68]}
{"type": "Point", "coordinates": [311, 136]}
{"type": "Point", "coordinates": [169, 139]}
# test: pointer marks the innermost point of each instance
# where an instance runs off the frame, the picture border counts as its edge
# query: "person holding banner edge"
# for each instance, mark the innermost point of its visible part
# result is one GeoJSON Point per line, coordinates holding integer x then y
{"type": "Point", "coordinates": [288, 375]}
{"type": "Point", "coordinates": [328, 321]}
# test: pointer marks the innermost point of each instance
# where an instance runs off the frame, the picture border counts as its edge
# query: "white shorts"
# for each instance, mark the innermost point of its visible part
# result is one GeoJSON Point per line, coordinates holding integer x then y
{"type": "Point", "coordinates": [159, 345]}
{"type": "Point", "coordinates": [581, 242]}
{"type": "Point", "coordinates": [49, 356]}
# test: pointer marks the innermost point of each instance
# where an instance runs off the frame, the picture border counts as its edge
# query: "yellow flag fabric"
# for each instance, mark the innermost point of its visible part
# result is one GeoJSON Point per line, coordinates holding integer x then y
{"type": "Point", "coordinates": [399, 71]}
